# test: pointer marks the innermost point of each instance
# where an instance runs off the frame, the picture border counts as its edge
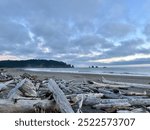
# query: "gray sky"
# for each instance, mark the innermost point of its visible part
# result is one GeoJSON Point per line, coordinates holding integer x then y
{"type": "Point", "coordinates": [80, 32]}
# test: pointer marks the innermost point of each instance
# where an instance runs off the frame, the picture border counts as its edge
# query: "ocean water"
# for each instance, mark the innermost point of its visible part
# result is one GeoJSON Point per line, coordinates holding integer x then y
{"type": "Point", "coordinates": [136, 70]}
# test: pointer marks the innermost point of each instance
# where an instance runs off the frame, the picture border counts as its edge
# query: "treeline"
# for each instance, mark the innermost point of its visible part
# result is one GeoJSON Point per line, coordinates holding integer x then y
{"type": "Point", "coordinates": [34, 63]}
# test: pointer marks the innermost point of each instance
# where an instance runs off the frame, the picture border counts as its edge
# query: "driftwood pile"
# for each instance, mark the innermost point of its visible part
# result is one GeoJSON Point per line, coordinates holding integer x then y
{"type": "Point", "coordinates": [27, 93]}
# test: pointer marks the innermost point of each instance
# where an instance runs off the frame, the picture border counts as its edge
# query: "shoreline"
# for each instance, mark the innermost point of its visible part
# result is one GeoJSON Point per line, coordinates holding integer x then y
{"type": "Point", "coordinates": [95, 72]}
{"type": "Point", "coordinates": [70, 76]}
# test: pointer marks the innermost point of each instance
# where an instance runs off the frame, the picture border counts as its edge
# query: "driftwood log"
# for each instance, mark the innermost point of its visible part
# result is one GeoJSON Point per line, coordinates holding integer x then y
{"type": "Point", "coordinates": [133, 102]}
{"type": "Point", "coordinates": [59, 97]}
{"type": "Point", "coordinates": [12, 93]}
{"type": "Point", "coordinates": [26, 106]}
{"type": "Point", "coordinates": [3, 86]}
{"type": "Point", "coordinates": [144, 86]}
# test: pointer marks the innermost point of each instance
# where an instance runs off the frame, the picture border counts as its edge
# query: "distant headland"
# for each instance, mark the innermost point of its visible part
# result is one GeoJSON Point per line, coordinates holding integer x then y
{"type": "Point", "coordinates": [34, 63]}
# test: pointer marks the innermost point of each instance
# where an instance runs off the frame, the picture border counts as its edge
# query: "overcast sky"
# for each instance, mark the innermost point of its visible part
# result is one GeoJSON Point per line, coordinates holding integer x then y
{"type": "Point", "coordinates": [80, 32]}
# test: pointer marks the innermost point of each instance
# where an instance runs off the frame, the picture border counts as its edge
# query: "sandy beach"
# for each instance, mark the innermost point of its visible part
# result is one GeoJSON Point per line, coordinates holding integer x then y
{"type": "Point", "coordinates": [70, 76]}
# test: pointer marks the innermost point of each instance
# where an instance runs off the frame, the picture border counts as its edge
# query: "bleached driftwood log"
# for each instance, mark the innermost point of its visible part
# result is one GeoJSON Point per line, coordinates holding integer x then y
{"type": "Point", "coordinates": [23, 106]}
{"type": "Point", "coordinates": [62, 86]}
{"type": "Point", "coordinates": [108, 85]}
{"type": "Point", "coordinates": [121, 94]}
{"type": "Point", "coordinates": [112, 105]}
{"type": "Point", "coordinates": [26, 87]}
{"type": "Point", "coordinates": [144, 86]}
{"type": "Point", "coordinates": [76, 89]}
{"type": "Point", "coordinates": [124, 111]}
{"type": "Point", "coordinates": [59, 97]}
{"type": "Point", "coordinates": [13, 92]}
{"type": "Point", "coordinates": [77, 97]}
{"type": "Point", "coordinates": [80, 104]}
{"type": "Point", "coordinates": [3, 86]}
{"type": "Point", "coordinates": [109, 94]}
{"type": "Point", "coordinates": [131, 93]}
{"type": "Point", "coordinates": [133, 102]}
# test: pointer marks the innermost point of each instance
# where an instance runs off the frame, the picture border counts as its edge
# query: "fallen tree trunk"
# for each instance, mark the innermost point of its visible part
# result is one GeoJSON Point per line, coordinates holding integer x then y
{"type": "Point", "coordinates": [112, 105]}
{"type": "Point", "coordinates": [59, 97]}
{"type": "Point", "coordinates": [13, 92]}
{"type": "Point", "coordinates": [80, 104]}
{"type": "Point", "coordinates": [144, 86]}
{"type": "Point", "coordinates": [74, 98]}
{"type": "Point", "coordinates": [67, 90]}
{"type": "Point", "coordinates": [119, 95]}
{"type": "Point", "coordinates": [25, 106]}
{"type": "Point", "coordinates": [124, 111]}
{"type": "Point", "coordinates": [108, 85]}
{"type": "Point", "coordinates": [3, 86]}
{"type": "Point", "coordinates": [131, 93]}
{"type": "Point", "coordinates": [133, 102]}
{"type": "Point", "coordinates": [26, 87]}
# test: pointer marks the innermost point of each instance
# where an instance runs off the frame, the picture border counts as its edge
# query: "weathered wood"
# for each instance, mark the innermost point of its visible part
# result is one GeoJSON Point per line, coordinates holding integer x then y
{"type": "Point", "coordinates": [76, 89]}
{"type": "Point", "coordinates": [66, 89]}
{"type": "Point", "coordinates": [112, 95]}
{"type": "Point", "coordinates": [131, 93]}
{"type": "Point", "coordinates": [80, 104]}
{"type": "Point", "coordinates": [12, 93]}
{"type": "Point", "coordinates": [87, 88]}
{"type": "Point", "coordinates": [112, 105]}
{"type": "Point", "coordinates": [26, 87]}
{"type": "Point", "coordinates": [109, 94]}
{"type": "Point", "coordinates": [77, 97]}
{"type": "Point", "coordinates": [108, 85]}
{"type": "Point", "coordinates": [124, 111]}
{"type": "Point", "coordinates": [144, 86]}
{"type": "Point", "coordinates": [37, 86]}
{"type": "Point", "coordinates": [3, 86]}
{"type": "Point", "coordinates": [139, 110]}
{"type": "Point", "coordinates": [59, 97]}
{"type": "Point", "coordinates": [146, 108]}
{"type": "Point", "coordinates": [24, 106]}
{"type": "Point", "coordinates": [133, 102]}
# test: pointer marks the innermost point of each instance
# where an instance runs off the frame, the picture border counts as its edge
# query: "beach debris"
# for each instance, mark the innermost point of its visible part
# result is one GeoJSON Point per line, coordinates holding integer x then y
{"type": "Point", "coordinates": [26, 87]}
{"type": "Point", "coordinates": [4, 76]}
{"type": "Point", "coordinates": [25, 106]}
{"type": "Point", "coordinates": [26, 93]}
{"type": "Point", "coordinates": [4, 86]}
{"type": "Point", "coordinates": [39, 107]}
{"type": "Point", "coordinates": [60, 97]}
{"type": "Point", "coordinates": [28, 76]}
{"type": "Point", "coordinates": [133, 85]}
{"type": "Point", "coordinates": [80, 104]}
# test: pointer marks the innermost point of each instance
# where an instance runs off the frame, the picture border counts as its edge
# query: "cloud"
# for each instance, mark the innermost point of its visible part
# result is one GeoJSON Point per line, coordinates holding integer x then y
{"type": "Point", "coordinates": [75, 31]}
{"type": "Point", "coordinates": [126, 47]}
{"type": "Point", "coordinates": [116, 30]}
{"type": "Point", "coordinates": [121, 59]}
{"type": "Point", "coordinates": [147, 31]}
{"type": "Point", "coordinates": [8, 57]}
